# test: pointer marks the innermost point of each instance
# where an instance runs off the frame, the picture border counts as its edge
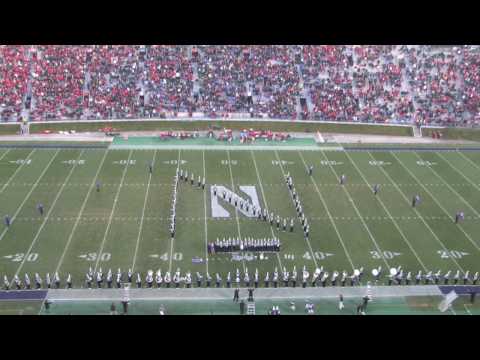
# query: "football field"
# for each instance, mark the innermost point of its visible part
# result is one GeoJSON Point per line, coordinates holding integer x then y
{"type": "Point", "coordinates": [126, 224]}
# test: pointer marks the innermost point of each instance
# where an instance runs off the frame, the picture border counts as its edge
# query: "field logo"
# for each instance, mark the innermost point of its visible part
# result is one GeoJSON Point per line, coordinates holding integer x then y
{"type": "Point", "coordinates": [218, 211]}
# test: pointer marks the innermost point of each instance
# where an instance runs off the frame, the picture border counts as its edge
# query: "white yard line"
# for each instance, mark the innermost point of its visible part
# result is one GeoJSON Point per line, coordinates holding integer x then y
{"type": "Point", "coordinates": [444, 210]}
{"type": "Point", "coordinates": [468, 159]}
{"type": "Point", "coordinates": [5, 154]}
{"type": "Point", "coordinates": [16, 170]}
{"type": "Point", "coordinates": [236, 212]}
{"type": "Point", "coordinates": [52, 206]}
{"type": "Point", "coordinates": [172, 239]}
{"type": "Point", "coordinates": [306, 239]}
{"type": "Point", "coordinates": [79, 216]}
{"type": "Point", "coordinates": [329, 214]}
{"type": "Point", "coordinates": [143, 215]}
{"type": "Point", "coordinates": [419, 216]}
{"type": "Point", "coordinates": [99, 253]}
{"type": "Point", "coordinates": [357, 211]}
{"type": "Point", "coordinates": [205, 209]}
{"type": "Point", "coordinates": [265, 202]}
{"type": "Point", "coordinates": [388, 213]}
{"type": "Point", "coordinates": [28, 195]}
{"type": "Point", "coordinates": [434, 199]}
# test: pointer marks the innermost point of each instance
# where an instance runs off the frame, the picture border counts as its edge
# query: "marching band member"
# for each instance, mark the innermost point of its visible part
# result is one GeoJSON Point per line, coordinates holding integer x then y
{"type": "Point", "coordinates": [69, 281]}
{"type": "Point", "coordinates": [38, 281]}
{"type": "Point", "coordinates": [27, 282]}
{"type": "Point", "coordinates": [6, 283]}
{"type": "Point", "coordinates": [158, 278]}
{"type": "Point", "coordinates": [57, 281]}
{"type": "Point", "coordinates": [109, 278]}
{"type": "Point", "coordinates": [188, 280]}
{"type": "Point", "coordinates": [167, 279]}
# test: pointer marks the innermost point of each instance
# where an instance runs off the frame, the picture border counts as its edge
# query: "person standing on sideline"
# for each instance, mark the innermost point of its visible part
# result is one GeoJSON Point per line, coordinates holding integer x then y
{"type": "Point", "coordinates": [125, 303]}
{"type": "Point", "coordinates": [236, 295]}
{"type": "Point", "coordinates": [250, 294]}
{"type": "Point", "coordinates": [113, 309]}
{"type": "Point", "coordinates": [340, 303]}
{"type": "Point", "coordinates": [242, 307]}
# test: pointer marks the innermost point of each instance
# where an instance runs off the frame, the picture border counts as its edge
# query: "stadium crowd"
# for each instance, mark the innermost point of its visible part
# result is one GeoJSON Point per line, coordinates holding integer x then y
{"type": "Point", "coordinates": [401, 84]}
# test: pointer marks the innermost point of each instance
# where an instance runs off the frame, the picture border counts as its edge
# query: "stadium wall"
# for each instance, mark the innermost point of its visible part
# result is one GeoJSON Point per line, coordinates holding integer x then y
{"type": "Point", "coordinates": [9, 128]}
{"type": "Point", "coordinates": [236, 124]}
{"type": "Point", "coordinates": [471, 134]}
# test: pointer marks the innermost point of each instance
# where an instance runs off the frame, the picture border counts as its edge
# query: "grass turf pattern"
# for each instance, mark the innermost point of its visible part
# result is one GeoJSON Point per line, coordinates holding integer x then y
{"type": "Point", "coordinates": [349, 226]}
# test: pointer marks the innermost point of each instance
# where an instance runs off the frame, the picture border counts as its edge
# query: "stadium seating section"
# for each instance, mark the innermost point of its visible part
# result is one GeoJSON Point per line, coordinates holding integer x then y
{"type": "Point", "coordinates": [391, 84]}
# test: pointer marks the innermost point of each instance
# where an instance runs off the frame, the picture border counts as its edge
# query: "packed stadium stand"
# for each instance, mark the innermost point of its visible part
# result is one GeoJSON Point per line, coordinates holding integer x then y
{"type": "Point", "coordinates": [383, 84]}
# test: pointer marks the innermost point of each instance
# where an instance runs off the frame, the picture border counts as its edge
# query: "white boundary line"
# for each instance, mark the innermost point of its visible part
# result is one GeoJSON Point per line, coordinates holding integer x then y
{"type": "Point", "coordinates": [205, 209]}
{"type": "Point", "coordinates": [265, 201]}
{"type": "Point", "coordinates": [52, 206]}
{"type": "Point", "coordinates": [445, 211]}
{"type": "Point", "coordinates": [28, 195]}
{"type": "Point", "coordinates": [16, 170]}
{"type": "Point", "coordinates": [172, 239]}
{"type": "Point", "coordinates": [389, 214]}
{"type": "Point", "coordinates": [357, 211]}
{"type": "Point", "coordinates": [236, 211]}
{"type": "Point", "coordinates": [79, 216]}
{"type": "Point", "coordinates": [143, 215]}
{"type": "Point", "coordinates": [115, 201]}
{"type": "Point", "coordinates": [306, 239]}
{"type": "Point", "coordinates": [419, 216]}
{"type": "Point", "coordinates": [329, 214]}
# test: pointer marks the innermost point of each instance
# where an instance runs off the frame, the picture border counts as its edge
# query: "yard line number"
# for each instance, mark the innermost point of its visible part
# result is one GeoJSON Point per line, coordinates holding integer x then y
{"type": "Point", "coordinates": [283, 162]}
{"type": "Point", "coordinates": [229, 162]}
{"type": "Point", "coordinates": [384, 254]}
{"type": "Point", "coordinates": [19, 257]}
{"type": "Point", "coordinates": [175, 162]}
{"type": "Point", "coordinates": [447, 254]}
{"type": "Point", "coordinates": [178, 256]}
{"type": "Point", "coordinates": [125, 162]}
{"type": "Point", "coordinates": [379, 163]}
{"type": "Point", "coordinates": [74, 162]}
{"type": "Point", "coordinates": [319, 255]}
{"type": "Point", "coordinates": [330, 163]}
{"type": "Point", "coordinates": [425, 163]}
{"type": "Point", "coordinates": [93, 256]}
{"type": "Point", "coordinates": [21, 161]}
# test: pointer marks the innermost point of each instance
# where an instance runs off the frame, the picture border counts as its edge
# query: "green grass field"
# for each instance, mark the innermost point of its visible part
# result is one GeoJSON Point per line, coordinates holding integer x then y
{"type": "Point", "coordinates": [126, 225]}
